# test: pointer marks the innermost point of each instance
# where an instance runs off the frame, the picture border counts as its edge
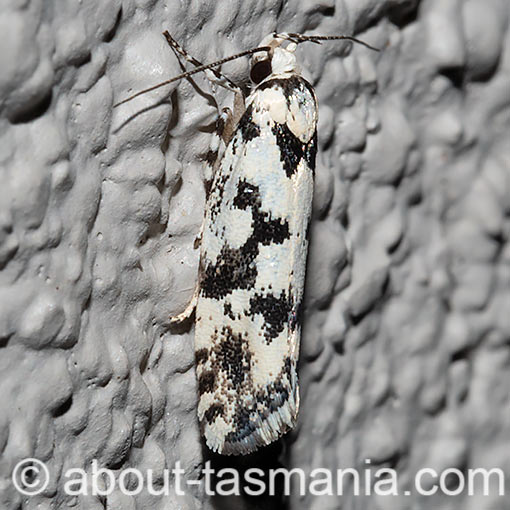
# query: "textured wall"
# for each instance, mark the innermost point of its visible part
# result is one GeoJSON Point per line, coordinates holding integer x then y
{"type": "Point", "coordinates": [406, 345]}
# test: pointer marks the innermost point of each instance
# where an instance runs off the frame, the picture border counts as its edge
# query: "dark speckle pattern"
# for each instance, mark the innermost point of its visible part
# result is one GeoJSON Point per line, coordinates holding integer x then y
{"type": "Point", "coordinates": [310, 152]}
{"type": "Point", "coordinates": [201, 356]}
{"type": "Point", "coordinates": [295, 316]}
{"type": "Point", "coordinates": [275, 310]}
{"type": "Point", "coordinates": [267, 401]}
{"type": "Point", "coordinates": [248, 128]}
{"type": "Point", "coordinates": [235, 268]}
{"type": "Point", "coordinates": [291, 148]}
{"type": "Point", "coordinates": [206, 382]}
{"type": "Point", "coordinates": [233, 357]}
{"type": "Point", "coordinates": [227, 310]}
{"type": "Point", "coordinates": [247, 195]}
{"type": "Point", "coordinates": [213, 412]}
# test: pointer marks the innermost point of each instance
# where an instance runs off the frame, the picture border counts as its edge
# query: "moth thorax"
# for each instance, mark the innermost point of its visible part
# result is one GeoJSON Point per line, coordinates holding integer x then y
{"type": "Point", "coordinates": [284, 60]}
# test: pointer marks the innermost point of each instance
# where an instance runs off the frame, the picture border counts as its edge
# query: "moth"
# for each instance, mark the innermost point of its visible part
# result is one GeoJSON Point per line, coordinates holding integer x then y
{"type": "Point", "coordinates": [253, 250]}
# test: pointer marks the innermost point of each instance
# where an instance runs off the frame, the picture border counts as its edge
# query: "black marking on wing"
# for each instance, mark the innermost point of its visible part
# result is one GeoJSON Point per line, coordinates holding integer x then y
{"type": "Point", "coordinates": [247, 195]}
{"type": "Point", "coordinates": [233, 357]}
{"type": "Point", "coordinates": [266, 400]}
{"type": "Point", "coordinates": [235, 267]}
{"type": "Point", "coordinates": [201, 355]}
{"type": "Point", "coordinates": [266, 231]}
{"type": "Point", "coordinates": [295, 316]}
{"type": "Point", "coordinates": [275, 395]}
{"type": "Point", "coordinates": [243, 426]}
{"type": "Point", "coordinates": [206, 382]}
{"type": "Point", "coordinates": [213, 412]}
{"type": "Point", "coordinates": [227, 310]}
{"type": "Point", "coordinates": [287, 367]}
{"type": "Point", "coordinates": [210, 157]}
{"type": "Point", "coordinates": [249, 130]}
{"type": "Point", "coordinates": [293, 150]}
{"type": "Point", "coordinates": [275, 310]}
{"type": "Point", "coordinates": [230, 366]}
{"type": "Point", "coordinates": [310, 152]}
{"type": "Point", "coordinates": [308, 230]}
{"type": "Point", "coordinates": [215, 197]}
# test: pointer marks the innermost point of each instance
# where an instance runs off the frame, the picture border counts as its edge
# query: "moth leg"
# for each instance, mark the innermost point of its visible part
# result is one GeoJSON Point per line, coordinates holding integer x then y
{"type": "Point", "coordinates": [190, 308]}
{"type": "Point", "coordinates": [225, 127]}
{"type": "Point", "coordinates": [212, 157]}
{"type": "Point", "coordinates": [213, 75]}
{"type": "Point", "coordinates": [188, 312]}
{"type": "Point", "coordinates": [227, 120]}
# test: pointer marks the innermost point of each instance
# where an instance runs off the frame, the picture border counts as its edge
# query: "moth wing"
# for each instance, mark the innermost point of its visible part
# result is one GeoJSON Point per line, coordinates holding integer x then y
{"type": "Point", "coordinates": [252, 272]}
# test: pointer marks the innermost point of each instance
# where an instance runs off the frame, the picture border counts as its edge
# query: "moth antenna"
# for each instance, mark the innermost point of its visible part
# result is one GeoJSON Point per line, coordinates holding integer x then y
{"type": "Point", "coordinates": [295, 38]}
{"type": "Point", "coordinates": [299, 38]}
{"type": "Point", "coordinates": [194, 71]}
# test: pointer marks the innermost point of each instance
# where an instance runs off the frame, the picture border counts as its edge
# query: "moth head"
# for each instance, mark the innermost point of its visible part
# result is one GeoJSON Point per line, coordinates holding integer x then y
{"type": "Point", "coordinates": [278, 60]}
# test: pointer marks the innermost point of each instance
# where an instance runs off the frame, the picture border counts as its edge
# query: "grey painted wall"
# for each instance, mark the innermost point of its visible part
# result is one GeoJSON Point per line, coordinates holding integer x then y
{"type": "Point", "coordinates": [406, 344]}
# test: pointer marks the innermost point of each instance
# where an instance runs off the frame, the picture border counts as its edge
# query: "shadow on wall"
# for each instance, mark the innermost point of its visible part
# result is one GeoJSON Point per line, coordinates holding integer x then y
{"type": "Point", "coordinates": [268, 458]}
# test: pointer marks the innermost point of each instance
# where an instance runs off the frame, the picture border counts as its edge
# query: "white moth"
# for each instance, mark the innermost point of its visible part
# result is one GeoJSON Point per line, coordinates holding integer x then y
{"type": "Point", "coordinates": [253, 252]}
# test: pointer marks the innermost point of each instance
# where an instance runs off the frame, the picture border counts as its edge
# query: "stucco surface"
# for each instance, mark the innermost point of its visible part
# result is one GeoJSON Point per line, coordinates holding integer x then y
{"type": "Point", "coordinates": [406, 333]}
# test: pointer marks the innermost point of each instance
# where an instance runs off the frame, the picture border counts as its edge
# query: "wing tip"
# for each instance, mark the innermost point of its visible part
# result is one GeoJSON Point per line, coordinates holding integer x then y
{"type": "Point", "coordinates": [267, 430]}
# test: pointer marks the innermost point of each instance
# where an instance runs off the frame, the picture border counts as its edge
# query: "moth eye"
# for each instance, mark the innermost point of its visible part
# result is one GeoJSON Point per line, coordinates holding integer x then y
{"type": "Point", "coordinates": [260, 71]}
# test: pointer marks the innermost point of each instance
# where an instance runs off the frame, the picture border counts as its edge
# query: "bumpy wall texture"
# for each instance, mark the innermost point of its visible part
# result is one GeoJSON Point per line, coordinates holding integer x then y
{"type": "Point", "coordinates": [406, 344]}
